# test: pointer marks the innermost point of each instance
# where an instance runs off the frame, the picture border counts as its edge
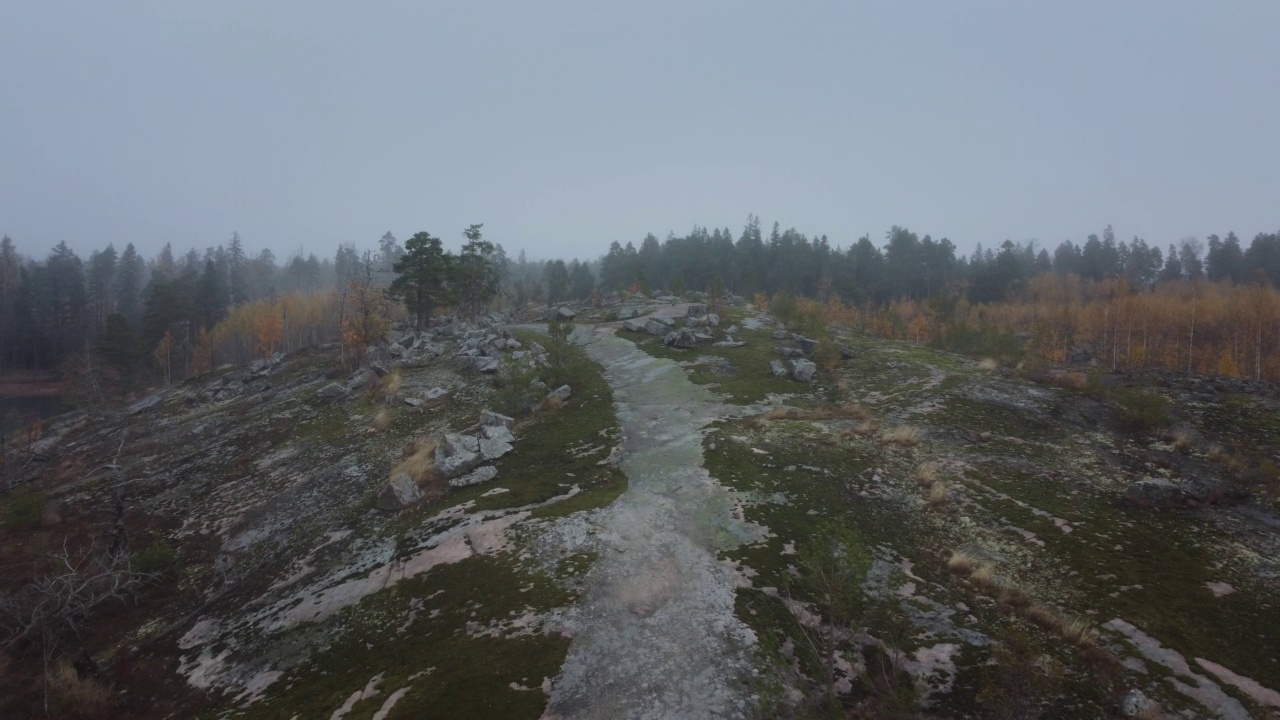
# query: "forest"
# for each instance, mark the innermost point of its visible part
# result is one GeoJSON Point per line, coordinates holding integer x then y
{"type": "Point", "coordinates": [117, 319]}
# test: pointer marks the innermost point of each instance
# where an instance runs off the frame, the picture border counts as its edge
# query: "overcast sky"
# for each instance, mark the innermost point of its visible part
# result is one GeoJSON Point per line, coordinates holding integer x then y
{"type": "Point", "coordinates": [564, 126]}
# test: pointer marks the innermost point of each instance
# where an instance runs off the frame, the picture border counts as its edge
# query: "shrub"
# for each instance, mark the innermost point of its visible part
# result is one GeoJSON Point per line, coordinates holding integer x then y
{"type": "Point", "coordinates": [516, 391]}
{"type": "Point", "coordinates": [564, 364]}
{"type": "Point", "coordinates": [157, 558]}
{"type": "Point", "coordinates": [22, 509]}
{"type": "Point", "coordinates": [1142, 410]}
{"type": "Point", "coordinates": [77, 697]}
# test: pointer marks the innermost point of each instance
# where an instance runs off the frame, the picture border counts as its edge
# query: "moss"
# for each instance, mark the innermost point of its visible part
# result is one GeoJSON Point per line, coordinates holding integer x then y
{"type": "Point", "coordinates": [462, 675]}
{"type": "Point", "coordinates": [742, 374]}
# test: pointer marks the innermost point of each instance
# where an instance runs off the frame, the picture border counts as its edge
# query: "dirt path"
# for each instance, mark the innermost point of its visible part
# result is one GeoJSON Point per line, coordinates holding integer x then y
{"type": "Point", "coordinates": [655, 635]}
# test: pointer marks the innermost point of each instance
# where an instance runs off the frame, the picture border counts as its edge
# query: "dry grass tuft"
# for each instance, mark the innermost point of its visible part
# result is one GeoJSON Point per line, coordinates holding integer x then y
{"type": "Point", "coordinates": [939, 494]}
{"type": "Point", "coordinates": [901, 435]}
{"type": "Point", "coordinates": [848, 410]}
{"type": "Point", "coordinates": [988, 364]}
{"type": "Point", "coordinates": [927, 472]}
{"type": "Point", "coordinates": [1216, 452]}
{"type": "Point", "coordinates": [862, 429]}
{"type": "Point", "coordinates": [983, 576]}
{"type": "Point", "coordinates": [418, 461]}
{"type": "Point", "coordinates": [1077, 631]}
{"type": "Point", "coordinates": [552, 403]}
{"type": "Point", "coordinates": [1045, 618]}
{"type": "Point", "coordinates": [391, 384]}
{"type": "Point", "coordinates": [77, 696]}
{"type": "Point", "coordinates": [1013, 596]}
{"type": "Point", "coordinates": [961, 563]}
{"type": "Point", "coordinates": [381, 420]}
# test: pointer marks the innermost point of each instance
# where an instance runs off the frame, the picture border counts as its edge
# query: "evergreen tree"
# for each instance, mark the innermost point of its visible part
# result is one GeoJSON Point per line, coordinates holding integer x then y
{"type": "Point", "coordinates": [129, 285]}
{"type": "Point", "coordinates": [476, 272]}
{"type": "Point", "coordinates": [422, 277]}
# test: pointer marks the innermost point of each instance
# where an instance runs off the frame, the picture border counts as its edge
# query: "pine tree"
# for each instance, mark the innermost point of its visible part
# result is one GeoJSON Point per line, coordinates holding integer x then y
{"type": "Point", "coordinates": [422, 277]}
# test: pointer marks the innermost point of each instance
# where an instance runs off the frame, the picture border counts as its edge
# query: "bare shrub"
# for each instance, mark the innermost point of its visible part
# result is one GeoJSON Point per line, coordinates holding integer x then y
{"type": "Point", "coordinates": [77, 697]}
{"type": "Point", "coordinates": [901, 435]}
{"type": "Point", "coordinates": [927, 472]}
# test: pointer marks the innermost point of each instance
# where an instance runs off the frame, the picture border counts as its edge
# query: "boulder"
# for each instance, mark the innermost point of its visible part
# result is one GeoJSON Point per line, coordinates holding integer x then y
{"type": "Point", "coordinates": [695, 322]}
{"type": "Point", "coordinates": [807, 345]}
{"type": "Point", "coordinates": [684, 338]}
{"type": "Point", "coordinates": [257, 366]}
{"type": "Point", "coordinates": [788, 352]}
{"type": "Point", "coordinates": [487, 364]}
{"type": "Point", "coordinates": [537, 349]}
{"type": "Point", "coordinates": [703, 337]}
{"type": "Point", "coordinates": [634, 326]}
{"type": "Point", "coordinates": [779, 334]}
{"type": "Point", "coordinates": [713, 320]}
{"type": "Point", "coordinates": [413, 401]}
{"type": "Point", "coordinates": [733, 330]}
{"type": "Point", "coordinates": [663, 320]}
{"type": "Point", "coordinates": [729, 343]}
{"type": "Point", "coordinates": [627, 313]}
{"type": "Point", "coordinates": [457, 454]}
{"type": "Point", "coordinates": [378, 369]}
{"type": "Point", "coordinates": [564, 313]}
{"type": "Point", "coordinates": [332, 391]}
{"type": "Point", "coordinates": [492, 448]}
{"type": "Point", "coordinates": [395, 350]}
{"type": "Point", "coordinates": [147, 403]}
{"type": "Point", "coordinates": [1155, 493]}
{"type": "Point", "coordinates": [1212, 492]}
{"type": "Point", "coordinates": [475, 477]}
{"type": "Point", "coordinates": [803, 370]}
{"type": "Point", "coordinates": [561, 393]}
{"type": "Point", "coordinates": [653, 327]}
{"type": "Point", "coordinates": [496, 432]}
{"type": "Point", "coordinates": [401, 492]}
{"type": "Point", "coordinates": [696, 310]}
{"type": "Point", "coordinates": [777, 368]}
{"type": "Point", "coordinates": [847, 352]}
{"type": "Point", "coordinates": [489, 418]}
{"type": "Point", "coordinates": [436, 394]}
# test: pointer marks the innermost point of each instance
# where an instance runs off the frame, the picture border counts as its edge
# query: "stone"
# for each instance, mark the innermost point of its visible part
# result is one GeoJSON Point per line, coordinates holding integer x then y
{"type": "Point", "coordinates": [696, 310]}
{"type": "Point", "coordinates": [395, 350]}
{"type": "Point", "coordinates": [462, 461]}
{"type": "Point", "coordinates": [663, 321]}
{"type": "Point", "coordinates": [733, 330]}
{"type": "Point", "coordinates": [564, 313]}
{"type": "Point", "coordinates": [695, 322]}
{"type": "Point", "coordinates": [653, 327]}
{"type": "Point", "coordinates": [627, 313]}
{"type": "Point", "coordinates": [729, 343]}
{"type": "Point", "coordinates": [145, 404]}
{"type": "Point", "coordinates": [634, 325]}
{"type": "Point", "coordinates": [537, 349]}
{"type": "Point", "coordinates": [788, 352]}
{"type": "Point", "coordinates": [847, 352]}
{"type": "Point", "coordinates": [332, 391]}
{"type": "Point", "coordinates": [779, 334]}
{"type": "Point", "coordinates": [457, 444]}
{"type": "Point", "coordinates": [778, 369]}
{"type": "Point", "coordinates": [703, 337]}
{"type": "Point", "coordinates": [487, 364]}
{"type": "Point", "coordinates": [670, 339]}
{"type": "Point", "coordinates": [1212, 492]}
{"type": "Point", "coordinates": [413, 401]}
{"type": "Point", "coordinates": [378, 369]}
{"type": "Point", "coordinates": [496, 432]}
{"type": "Point", "coordinates": [401, 492]}
{"type": "Point", "coordinates": [1155, 493]}
{"type": "Point", "coordinates": [489, 419]}
{"type": "Point", "coordinates": [807, 345]}
{"type": "Point", "coordinates": [475, 477]}
{"type": "Point", "coordinates": [1135, 704]}
{"type": "Point", "coordinates": [561, 393]}
{"type": "Point", "coordinates": [713, 320]}
{"type": "Point", "coordinates": [258, 366]}
{"type": "Point", "coordinates": [803, 370]}
{"type": "Point", "coordinates": [494, 448]}
{"type": "Point", "coordinates": [684, 338]}
{"type": "Point", "coordinates": [436, 394]}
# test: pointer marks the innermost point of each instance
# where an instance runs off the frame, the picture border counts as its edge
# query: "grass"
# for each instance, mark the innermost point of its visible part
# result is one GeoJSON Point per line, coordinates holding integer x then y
{"type": "Point", "coordinates": [381, 420]}
{"type": "Point", "coordinates": [988, 365]}
{"type": "Point", "coordinates": [22, 510]}
{"type": "Point", "coordinates": [939, 494]}
{"type": "Point", "coordinates": [961, 563]}
{"type": "Point", "coordinates": [905, 435]}
{"type": "Point", "coordinates": [742, 373]}
{"type": "Point", "coordinates": [927, 472]}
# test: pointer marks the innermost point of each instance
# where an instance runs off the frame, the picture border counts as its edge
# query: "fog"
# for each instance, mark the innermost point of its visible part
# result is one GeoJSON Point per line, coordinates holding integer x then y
{"type": "Point", "coordinates": [564, 126]}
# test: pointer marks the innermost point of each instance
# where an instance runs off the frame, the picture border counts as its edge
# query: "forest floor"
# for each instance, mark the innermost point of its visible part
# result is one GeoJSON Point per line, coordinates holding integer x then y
{"type": "Point", "coordinates": [688, 536]}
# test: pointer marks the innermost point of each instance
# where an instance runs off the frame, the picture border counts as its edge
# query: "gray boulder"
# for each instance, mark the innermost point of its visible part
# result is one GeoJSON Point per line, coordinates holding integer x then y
{"type": "Point", "coordinates": [401, 492]}
{"type": "Point", "coordinates": [332, 391]}
{"type": "Point", "coordinates": [561, 393]}
{"type": "Point", "coordinates": [1136, 704]}
{"type": "Point", "coordinates": [695, 322]}
{"type": "Point", "coordinates": [148, 403]}
{"type": "Point", "coordinates": [696, 310]}
{"type": "Point", "coordinates": [489, 419]}
{"type": "Point", "coordinates": [627, 313]}
{"type": "Point", "coordinates": [788, 352]}
{"type": "Point", "coordinates": [779, 334]}
{"type": "Point", "coordinates": [436, 394]}
{"type": "Point", "coordinates": [413, 401]}
{"type": "Point", "coordinates": [487, 364]}
{"type": "Point", "coordinates": [807, 345]}
{"type": "Point", "coordinates": [663, 320]}
{"type": "Point", "coordinates": [777, 368]}
{"type": "Point", "coordinates": [475, 477]}
{"type": "Point", "coordinates": [729, 343]}
{"type": "Point", "coordinates": [703, 337]}
{"type": "Point", "coordinates": [1155, 493]}
{"type": "Point", "coordinates": [653, 327]}
{"type": "Point", "coordinates": [713, 320]}
{"type": "Point", "coordinates": [684, 338]}
{"type": "Point", "coordinates": [496, 432]}
{"type": "Point", "coordinates": [1212, 492]}
{"type": "Point", "coordinates": [457, 454]}
{"type": "Point", "coordinates": [803, 370]}
{"type": "Point", "coordinates": [395, 350]}
{"type": "Point", "coordinates": [564, 313]}
{"type": "Point", "coordinates": [634, 325]}
{"type": "Point", "coordinates": [494, 447]}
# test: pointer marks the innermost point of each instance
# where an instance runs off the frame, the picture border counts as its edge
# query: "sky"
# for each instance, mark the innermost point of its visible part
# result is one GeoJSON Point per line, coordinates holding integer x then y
{"type": "Point", "coordinates": [563, 126]}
